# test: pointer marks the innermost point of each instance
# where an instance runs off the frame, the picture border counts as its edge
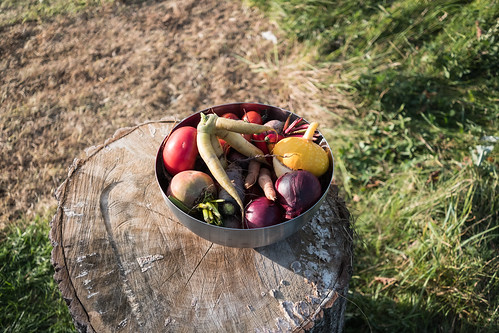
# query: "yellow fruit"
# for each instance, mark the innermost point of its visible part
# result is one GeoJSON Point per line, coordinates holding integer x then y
{"type": "Point", "coordinates": [279, 168]}
{"type": "Point", "coordinates": [302, 153]}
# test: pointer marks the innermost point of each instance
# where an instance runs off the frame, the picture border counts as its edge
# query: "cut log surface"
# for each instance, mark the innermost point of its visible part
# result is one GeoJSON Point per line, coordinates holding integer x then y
{"type": "Point", "coordinates": [125, 264]}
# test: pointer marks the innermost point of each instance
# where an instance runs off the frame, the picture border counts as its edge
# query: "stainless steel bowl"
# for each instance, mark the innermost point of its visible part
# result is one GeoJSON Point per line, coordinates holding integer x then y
{"type": "Point", "coordinates": [242, 238]}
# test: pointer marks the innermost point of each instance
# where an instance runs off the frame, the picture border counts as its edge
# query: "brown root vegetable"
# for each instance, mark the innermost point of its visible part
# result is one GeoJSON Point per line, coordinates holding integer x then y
{"type": "Point", "coordinates": [265, 182]}
{"type": "Point", "coordinates": [252, 175]}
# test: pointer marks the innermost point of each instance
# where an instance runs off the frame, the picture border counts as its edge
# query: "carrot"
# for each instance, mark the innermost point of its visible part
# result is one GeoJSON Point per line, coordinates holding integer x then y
{"type": "Point", "coordinates": [229, 205]}
{"type": "Point", "coordinates": [205, 129]}
{"type": "Point", "coordinates": [241, 126]}
{"type": "Point", "coordinates": [211, 125]}
{"type": "Point", "coordinates": [265, 182]}
{"type": "Point", "coordinates": [218, 150]}
{"type": "Point", "coordinates": [252, 176]}
{"type": "Point", "coordinates": [240, 144]}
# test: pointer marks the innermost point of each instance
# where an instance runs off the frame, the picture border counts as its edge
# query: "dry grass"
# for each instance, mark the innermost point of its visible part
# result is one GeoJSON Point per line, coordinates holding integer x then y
{"type": "Point", "coordinates": [72, 82]}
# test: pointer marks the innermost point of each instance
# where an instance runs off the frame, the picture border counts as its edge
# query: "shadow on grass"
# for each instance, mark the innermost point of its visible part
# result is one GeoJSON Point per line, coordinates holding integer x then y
{"type": "Point", "coordinates": [441, 102]}
{"type": "Point", "coordinates": [383, 314]}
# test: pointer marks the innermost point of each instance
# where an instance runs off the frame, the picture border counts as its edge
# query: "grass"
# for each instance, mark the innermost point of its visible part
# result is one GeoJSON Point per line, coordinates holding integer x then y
{"type": "Point", "coordinates": [29, 297]}
{"type": "Point", "coordinates": [14, 11]}
{"type": "Point", "coordinates": [413, 155]}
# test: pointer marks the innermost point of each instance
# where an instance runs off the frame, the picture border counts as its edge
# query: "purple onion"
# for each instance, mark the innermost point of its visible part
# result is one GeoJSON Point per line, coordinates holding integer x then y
{"type": "Point", "coordinates": [262, 212]}
{"type": "Point", "coordinates": [297, 191]}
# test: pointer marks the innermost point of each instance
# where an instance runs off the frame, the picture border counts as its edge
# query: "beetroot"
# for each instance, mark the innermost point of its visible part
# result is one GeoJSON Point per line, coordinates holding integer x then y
{"type": "Point", "coordinates": [297, 191]}
{"type": "Point", "coordinates": [191, 187]}
{"type": "Point", "coordinates": [262, 212]}
{"type": "Point", "coordinates": [276, 124]}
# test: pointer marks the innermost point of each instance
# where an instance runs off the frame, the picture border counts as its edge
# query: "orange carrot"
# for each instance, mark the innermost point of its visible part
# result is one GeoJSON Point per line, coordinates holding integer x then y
{"type": "Point", "coordinates": [265, 182]}
{"type": "Point", "coordinates": [252, 176]}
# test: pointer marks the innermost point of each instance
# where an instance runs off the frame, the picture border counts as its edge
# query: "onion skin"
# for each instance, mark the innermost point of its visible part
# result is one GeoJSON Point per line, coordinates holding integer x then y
{"type": "Point", "coordinates": [297, 191]}
{"type": "Point", "coordinates": [262, 212]}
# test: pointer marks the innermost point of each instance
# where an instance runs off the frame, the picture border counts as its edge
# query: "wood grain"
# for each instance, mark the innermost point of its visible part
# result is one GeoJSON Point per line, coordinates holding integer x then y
{"type": "Point", "coordinates": [125, 264]}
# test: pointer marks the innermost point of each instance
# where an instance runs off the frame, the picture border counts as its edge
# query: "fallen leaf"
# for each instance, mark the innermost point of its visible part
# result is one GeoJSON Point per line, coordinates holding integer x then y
{"type": "Point", "coordinates": [384, 280]}
{"type": "Point", "coordinates": [376, 183]}
{"type": "Point", "coordinates": [433, 177]}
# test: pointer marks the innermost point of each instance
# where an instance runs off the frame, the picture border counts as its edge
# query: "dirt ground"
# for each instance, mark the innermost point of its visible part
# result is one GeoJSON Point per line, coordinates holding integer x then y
{"type": "Point", "coordinates": [70, 83]}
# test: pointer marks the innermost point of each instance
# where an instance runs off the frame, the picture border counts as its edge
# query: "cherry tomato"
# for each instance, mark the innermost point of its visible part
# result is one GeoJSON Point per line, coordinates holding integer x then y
{"type": "Point", "coordinates": [253, 117]}
{"type": "Point", "coordinates": [180, 151]}
{"type": "Point", "coordinates": [259, 141]}
{"type": "Point", "coordinates": [271, 139]}
{"type": "Point", "coordinates": [230, 115]}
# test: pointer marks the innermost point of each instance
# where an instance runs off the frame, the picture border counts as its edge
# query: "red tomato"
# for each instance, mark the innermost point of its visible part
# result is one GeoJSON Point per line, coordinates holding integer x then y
{"type": "Point", "coordinates": [225, 146]}
{"type": "Point", "coordinates": [253, 117]}
{"type": "Point", "coordinates": [230, 115]}
{"type": "Point", "coordinates": [259, 141]}
{"type": "Point", "coordinates": [271, 139]}
{"type": "Point", "coordinates": [180, 151]}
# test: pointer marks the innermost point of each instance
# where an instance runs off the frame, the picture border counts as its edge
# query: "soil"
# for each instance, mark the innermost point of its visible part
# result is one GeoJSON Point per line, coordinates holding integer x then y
{"type": "Point", "coordinates": [71, 82]}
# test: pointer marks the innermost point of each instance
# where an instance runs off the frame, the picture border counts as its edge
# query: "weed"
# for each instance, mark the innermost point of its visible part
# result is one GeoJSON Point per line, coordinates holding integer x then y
{"type": "Point", "coordinates": [29, 296]}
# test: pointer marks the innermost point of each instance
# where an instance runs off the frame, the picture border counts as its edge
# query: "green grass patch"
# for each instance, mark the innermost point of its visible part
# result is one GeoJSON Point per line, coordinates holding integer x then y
{"type": "Point", "coordinates": [418, 156]}
{"type": "Point", "coordinates": [15, 11]}
{"type": "Point", "coordinates": [29, 297]}
{"type": "Point", "coordinates": [428, 251]}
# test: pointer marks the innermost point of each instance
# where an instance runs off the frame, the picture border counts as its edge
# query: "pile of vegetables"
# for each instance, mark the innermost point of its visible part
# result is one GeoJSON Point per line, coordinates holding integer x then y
{"type": "Point", "coordinates": [245, 173]}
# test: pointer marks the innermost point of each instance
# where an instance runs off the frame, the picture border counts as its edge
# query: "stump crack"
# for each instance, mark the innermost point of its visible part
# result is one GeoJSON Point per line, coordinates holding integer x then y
{"type": "Point", "coordinates": [197, 265]}
{"type": "Point", "coordinates": [127, 290]}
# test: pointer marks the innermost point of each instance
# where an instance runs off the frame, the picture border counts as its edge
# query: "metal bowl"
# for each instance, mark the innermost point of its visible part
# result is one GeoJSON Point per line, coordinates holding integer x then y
{"type": "Point", "coordinates": [242, 238]}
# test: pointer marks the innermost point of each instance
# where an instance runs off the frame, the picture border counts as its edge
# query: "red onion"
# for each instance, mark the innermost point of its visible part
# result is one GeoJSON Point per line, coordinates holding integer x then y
{"type": "Point", "coordinates": [262, 212]}
{"type": "Point", "coordinates": [297, 191]}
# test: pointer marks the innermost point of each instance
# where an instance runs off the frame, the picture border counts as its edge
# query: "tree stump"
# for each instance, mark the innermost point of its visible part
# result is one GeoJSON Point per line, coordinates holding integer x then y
{"type": "Point", "coordinates": [125, 264]}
